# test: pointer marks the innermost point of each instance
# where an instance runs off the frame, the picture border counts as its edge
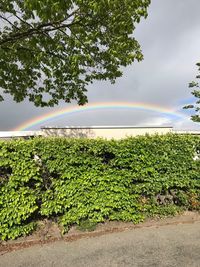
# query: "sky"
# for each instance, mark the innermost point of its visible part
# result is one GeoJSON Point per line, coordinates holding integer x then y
{"type": "Point", "coordinates": [170, 41]}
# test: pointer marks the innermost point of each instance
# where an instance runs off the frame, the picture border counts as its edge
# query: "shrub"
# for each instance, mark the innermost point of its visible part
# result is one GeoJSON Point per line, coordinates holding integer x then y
{"type": "Point", "coordinates": [80, 180]}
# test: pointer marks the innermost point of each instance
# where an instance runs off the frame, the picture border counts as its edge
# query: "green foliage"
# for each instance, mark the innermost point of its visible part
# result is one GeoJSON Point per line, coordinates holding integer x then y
{"type": "Point", "coordinates": [84, 182]}
{"type": "Point", "coordinates": [163, 211]}
{"type": "Point", "coordinates": [196, 94]}
{"type": "Point", "coordinates": [87, 225]}
{"type": "Point", "coordinates": [19, 182]}
{"type": "Point", "coordinates": [56, 48]}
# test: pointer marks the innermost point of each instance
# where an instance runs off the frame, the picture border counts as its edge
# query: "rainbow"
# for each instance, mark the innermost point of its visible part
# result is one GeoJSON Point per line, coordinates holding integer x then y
{"type": "Point", "coordinates": [97, 106]}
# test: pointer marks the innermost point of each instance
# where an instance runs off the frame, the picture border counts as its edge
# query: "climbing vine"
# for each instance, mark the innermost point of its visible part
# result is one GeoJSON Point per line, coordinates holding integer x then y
{"type": "Point", "coordinates": [72, 181]}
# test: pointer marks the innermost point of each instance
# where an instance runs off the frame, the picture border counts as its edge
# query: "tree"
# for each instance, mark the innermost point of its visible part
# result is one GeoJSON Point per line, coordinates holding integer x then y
{"type": "Point", "coordinates": [195, 93]}
{"type": "Point", "coordinates": [51, 50]}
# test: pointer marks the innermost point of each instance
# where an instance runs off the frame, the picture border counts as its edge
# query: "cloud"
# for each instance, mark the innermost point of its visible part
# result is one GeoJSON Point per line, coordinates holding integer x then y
{"type": "Point", "coordinates": [170, 40]}
{"type": "Point", "coordinates": [187, 124]}
{"type": "Point", "coordinates": [156, 122]}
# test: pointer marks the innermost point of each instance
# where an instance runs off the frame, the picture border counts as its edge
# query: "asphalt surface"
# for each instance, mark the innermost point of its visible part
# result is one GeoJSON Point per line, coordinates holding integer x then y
{"type": "Point", "coordinates": [166, 246]}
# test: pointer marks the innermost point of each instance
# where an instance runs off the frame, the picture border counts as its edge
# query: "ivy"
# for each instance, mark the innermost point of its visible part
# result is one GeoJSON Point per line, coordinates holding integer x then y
{"type": "Point", "coordinates": [82, 181]}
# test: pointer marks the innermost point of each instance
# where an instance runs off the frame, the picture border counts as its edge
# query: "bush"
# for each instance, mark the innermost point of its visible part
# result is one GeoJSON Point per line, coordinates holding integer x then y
{"type": "Point", "coordinates": [77, 180]}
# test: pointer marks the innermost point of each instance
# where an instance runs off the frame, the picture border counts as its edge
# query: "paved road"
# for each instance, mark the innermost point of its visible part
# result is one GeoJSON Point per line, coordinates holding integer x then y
{"type": "Point", "coordinates": [166, 246]}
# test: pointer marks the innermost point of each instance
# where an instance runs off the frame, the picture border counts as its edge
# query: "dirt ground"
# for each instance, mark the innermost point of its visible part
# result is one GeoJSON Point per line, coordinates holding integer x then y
{"type": "Point", "coordinates": [49, 232]}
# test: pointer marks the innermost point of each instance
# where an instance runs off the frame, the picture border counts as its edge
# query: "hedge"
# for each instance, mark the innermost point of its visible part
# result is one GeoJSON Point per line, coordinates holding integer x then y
{"type": "Point", "coordinates": [71, 181]}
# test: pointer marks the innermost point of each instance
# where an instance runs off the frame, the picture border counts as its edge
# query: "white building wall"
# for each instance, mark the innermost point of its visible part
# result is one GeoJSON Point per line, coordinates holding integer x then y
{"type": "Point", "coordinates": [108, 132]}
{"type": "Point", "coordinates": [18, 134]}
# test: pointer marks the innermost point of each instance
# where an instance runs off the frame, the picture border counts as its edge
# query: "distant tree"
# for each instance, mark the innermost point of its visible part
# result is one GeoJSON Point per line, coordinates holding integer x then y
{"type": "Point", "coordinates": [196, 93]}
{"type": "Point", "coordinates": [51, 50]}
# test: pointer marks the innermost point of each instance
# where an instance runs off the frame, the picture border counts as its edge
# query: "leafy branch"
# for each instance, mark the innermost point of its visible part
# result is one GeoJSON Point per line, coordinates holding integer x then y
{"type": "Point", "coordinates": [196, 94]}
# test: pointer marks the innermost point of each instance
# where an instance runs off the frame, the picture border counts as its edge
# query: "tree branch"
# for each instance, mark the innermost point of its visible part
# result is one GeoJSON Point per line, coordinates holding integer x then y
{"type": "Point", "coordinates": [40, 29]}
{"type": "Point", "coordinates": [7, 20]}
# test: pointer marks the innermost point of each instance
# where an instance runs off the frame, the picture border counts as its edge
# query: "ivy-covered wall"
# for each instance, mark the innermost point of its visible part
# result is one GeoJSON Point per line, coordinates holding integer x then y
{"type": "Point", "coordinates": [73, 180]}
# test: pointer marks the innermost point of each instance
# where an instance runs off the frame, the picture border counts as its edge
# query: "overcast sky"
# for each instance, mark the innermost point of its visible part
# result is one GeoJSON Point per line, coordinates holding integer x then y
{"type": "Point", "coordinates": [170, 41]}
